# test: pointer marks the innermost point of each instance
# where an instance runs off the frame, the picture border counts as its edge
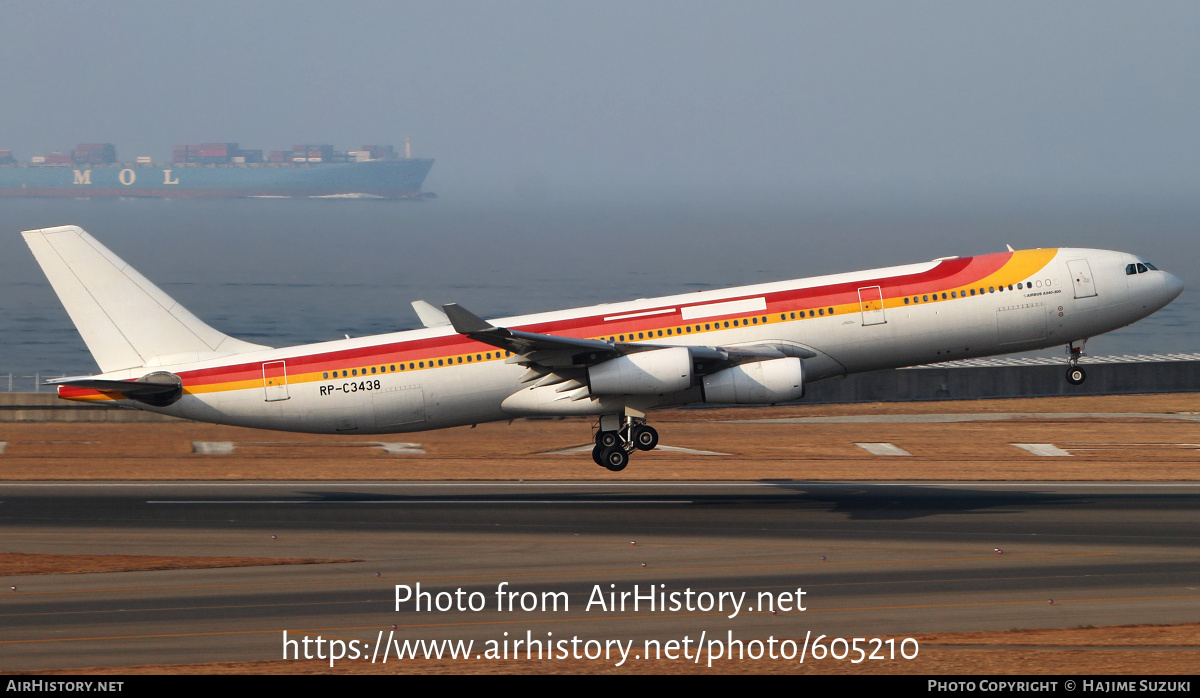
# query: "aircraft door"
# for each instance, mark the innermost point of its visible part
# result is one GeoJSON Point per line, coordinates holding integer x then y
{"type": "Point", "coordinates": [1081, 278]}
{"type": "Point", "coordinates": [399, 406]}
{"type": "Point", "coordinates": [870, 301]}
{"type": "Point", "coordinates": [275, 380]}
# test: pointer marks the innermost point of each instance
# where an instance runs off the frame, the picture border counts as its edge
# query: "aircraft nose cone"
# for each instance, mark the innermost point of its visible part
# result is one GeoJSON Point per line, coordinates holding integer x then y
{"type": "Point", "coordinates": [1173, 286]}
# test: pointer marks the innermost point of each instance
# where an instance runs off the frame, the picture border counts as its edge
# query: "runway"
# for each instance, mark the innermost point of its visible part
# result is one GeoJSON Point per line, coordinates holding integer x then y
{"type": "Point", "coordinates": [872, 559]}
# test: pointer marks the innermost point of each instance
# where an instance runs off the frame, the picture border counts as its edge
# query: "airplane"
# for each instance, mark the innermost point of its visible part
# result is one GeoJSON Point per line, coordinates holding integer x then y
{"type": "Point", "coordinates": [760, 344]}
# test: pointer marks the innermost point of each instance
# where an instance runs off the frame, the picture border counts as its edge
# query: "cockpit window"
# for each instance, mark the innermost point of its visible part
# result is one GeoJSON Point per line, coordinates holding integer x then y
{"type": "Point", "coordinates": [1151, 266]}
{"type": "Point", "coordinates": [1130, 269]}
{"type": "Point", "coordinates": [1141, 268]}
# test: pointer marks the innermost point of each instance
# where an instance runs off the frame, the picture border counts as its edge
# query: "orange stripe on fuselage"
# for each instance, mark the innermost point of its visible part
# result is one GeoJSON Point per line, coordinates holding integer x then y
{"type": "Point", "coordinates": [1000, 269]}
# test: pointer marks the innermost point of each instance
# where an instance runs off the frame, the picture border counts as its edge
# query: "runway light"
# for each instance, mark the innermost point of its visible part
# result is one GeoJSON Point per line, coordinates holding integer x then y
{"type": "Point", "coordinates": [633, 542]}
{"type": "Point", "coordinates": [377, 574]}
{"type": "Point", "coordinates": [273, 538]}
{"type": "Point", "coordinates": [998, 551]}
{"type": "Point", "coordinates": [643, 565]}
{"type": "Point", "coordinates": [822, 558]}
{"type": "Point", "coordinates": [1051, 602]}
{"type": "Point", "coordinates": [14, 588]}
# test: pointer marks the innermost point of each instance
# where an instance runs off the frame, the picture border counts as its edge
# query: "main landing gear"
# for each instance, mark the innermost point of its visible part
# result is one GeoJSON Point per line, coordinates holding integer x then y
{"type": "Point", "coordinates": [618, 437]}
{"type": "Point", "coordinates": [1075, 374]}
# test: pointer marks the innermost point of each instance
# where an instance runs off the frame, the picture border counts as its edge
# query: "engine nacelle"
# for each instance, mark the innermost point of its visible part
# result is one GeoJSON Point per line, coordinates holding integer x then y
{"type": "Point", "coordinates": [758, 383]}
{"type": "Point", "coordinates": [644, 373]}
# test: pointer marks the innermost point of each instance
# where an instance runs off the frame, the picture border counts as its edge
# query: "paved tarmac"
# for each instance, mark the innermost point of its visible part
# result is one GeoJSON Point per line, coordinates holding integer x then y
{"type": "Point", "coordinates": [872, 559]}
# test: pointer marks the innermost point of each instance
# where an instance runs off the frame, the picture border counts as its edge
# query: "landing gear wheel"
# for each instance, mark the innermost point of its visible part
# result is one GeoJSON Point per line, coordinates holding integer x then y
{"type": "Point", "coordinates": [615, 458]}
{"type": "Point", "coordinates": [645, 438]}
{"type": "Point", "coordinates": [605, 439]}
{"type": "Point", "coordinates": [1076, 375]}
{"type": "Point", "coordinates": [597, 452]}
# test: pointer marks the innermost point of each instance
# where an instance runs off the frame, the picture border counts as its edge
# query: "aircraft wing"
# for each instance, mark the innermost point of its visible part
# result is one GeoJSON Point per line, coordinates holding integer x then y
{"type": "Point", "coordinates": [554, 351]}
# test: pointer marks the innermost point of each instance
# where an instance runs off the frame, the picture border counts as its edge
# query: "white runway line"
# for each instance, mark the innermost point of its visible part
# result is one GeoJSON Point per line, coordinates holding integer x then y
{"type": "Point", "coordinates": [1043, 449]}
{"type": "Point", "coordinates": [212, 448]}
{"type": "Point", "coordinates": [692, 451]}
{"type": "Point", "coordinates": [968, 417]}
{"type": "Point", "coordinates": [359, 484]}
{"type": "Point", "coordinates": [587, 448]}
{"type": "Point", "coordinates": [402, 449]}
{"type": "Point", "coordinates": [417, 501]}
{"type": "Point", "coordinates": [883, 449]}
{"type": "Point", "coordinates": [2, 445]}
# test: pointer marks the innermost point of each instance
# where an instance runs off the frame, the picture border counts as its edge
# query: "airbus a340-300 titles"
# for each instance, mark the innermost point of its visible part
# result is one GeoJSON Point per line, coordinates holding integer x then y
{"type": "Point", "coordinates": [751, 345]}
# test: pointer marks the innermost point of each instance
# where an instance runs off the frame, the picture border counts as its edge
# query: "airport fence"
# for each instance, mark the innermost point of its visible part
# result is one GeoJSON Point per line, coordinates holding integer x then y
{"type": "Point", "coordinates": [17, 383]}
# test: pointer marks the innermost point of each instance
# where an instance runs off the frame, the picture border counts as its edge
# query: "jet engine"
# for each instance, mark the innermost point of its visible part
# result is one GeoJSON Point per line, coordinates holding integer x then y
{"type": "Point", "coordinates": [645, 373]}
{"type": "Point", "coordinates": [757, 383]}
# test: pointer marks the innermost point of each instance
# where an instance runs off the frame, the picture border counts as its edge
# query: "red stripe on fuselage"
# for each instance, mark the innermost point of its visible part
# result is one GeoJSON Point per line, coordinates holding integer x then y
{"type": "Point", "coordinates": [948, 274]}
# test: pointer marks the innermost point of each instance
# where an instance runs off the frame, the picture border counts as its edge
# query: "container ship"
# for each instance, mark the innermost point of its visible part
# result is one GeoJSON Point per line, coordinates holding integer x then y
{"type": "Point", "coordinates": [220, 170]}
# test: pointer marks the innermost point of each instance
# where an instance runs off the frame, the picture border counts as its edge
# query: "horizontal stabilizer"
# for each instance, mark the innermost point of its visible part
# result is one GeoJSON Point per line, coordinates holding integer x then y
{"type": "Point", "coordinates": [159, 388]}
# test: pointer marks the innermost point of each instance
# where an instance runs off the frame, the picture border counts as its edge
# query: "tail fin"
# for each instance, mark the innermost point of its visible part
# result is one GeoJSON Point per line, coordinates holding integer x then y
{"type": "Point", "coordinates": [126, 321]}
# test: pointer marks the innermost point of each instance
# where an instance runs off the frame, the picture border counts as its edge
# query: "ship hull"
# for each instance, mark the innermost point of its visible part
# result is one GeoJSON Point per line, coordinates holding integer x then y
{"type": "Point", "coordinates": [388, 179]}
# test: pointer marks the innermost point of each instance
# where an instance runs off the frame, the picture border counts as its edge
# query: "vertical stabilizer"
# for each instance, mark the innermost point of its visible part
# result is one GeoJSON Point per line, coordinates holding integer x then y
{"type": "Point", "coordinates": [126, 321]}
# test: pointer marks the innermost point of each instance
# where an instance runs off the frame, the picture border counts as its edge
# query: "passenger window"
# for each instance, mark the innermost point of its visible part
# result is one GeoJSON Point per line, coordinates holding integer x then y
{"type": "Point", "coordinates": [831, 311]}
{"type": "Point", "coordinates": [754, 320]}
{"type": "Point", "coordinates": [688, 328]}
{"type": "Point", "coordinates": [972, 292]}
{"type": "Point", "coordinates": [423, 364]}
{"type": "Point", "coordinates": [943, 296]}
{"type": "Point", "coordinates": [372, 370]}
{"type": "Point", "coordinates": [410, 366]}
{"type": "Point", "coordinates": [401, 367]}
{"type": "Point", "coordinates": [478, 357]}
{"type": "Point", "coordinates": [641, 335]}
{"type": "Point", "coordinates": [735, 323]}
{"type": "Point", "coordinates": [906, 300]}
{"type": "Point", "coordinates": [820, 311]}
{"type": "Point", "coordinates": [468, 358]}
{"type": "Point", "coordinates": [343, 374]}
{"type": "Point", "coordinates": [925, 298]}
{"type": "Point", "coordinates": [954, 294]}
{"type": "Point", "coordinates": [991, 289]}
{"type": "Point", "coordinates": [660, 333]}
{"type": "Point", "coordinates": [354, 372]}
{"type": "Point", "coordinates": [325, 375]}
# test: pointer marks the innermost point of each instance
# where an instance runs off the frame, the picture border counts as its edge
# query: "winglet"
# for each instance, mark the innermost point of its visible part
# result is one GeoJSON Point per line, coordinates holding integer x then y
{"type": "Point", "coordinates": [430, 315]}
{"type": "Point", "coordinates": [464, 321]}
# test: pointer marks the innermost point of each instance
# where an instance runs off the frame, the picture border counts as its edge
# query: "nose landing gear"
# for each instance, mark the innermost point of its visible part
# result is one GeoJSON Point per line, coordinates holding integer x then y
{"type": "Point", "coordinates": [618, 437]}
{"type": "Point", "coordinates": [1075, 374]}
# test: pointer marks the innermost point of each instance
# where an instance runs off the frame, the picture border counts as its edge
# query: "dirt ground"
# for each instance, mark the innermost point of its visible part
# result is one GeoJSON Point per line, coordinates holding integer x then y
{"type": "Point", "coordinates": [1101, 447]}
{"type": "Point", "coordinates": [1130, 650]}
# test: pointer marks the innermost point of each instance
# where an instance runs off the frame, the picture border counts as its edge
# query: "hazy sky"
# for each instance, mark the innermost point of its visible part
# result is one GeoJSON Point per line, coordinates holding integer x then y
{"type": "Point", "coordinates": [608, 98]}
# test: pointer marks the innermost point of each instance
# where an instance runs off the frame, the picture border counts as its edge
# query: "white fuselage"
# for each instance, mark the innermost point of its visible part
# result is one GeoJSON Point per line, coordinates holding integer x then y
{"type": "Point", "coordinates": [884, 318]}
